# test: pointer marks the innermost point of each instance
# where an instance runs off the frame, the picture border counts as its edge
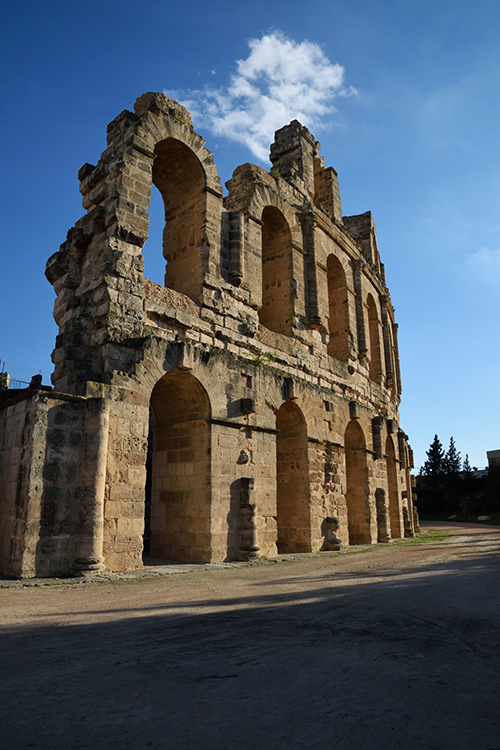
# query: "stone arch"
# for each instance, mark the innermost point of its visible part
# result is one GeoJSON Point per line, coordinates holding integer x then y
{"type": "Point", "coordinates": [276, 312]}
{"type": "Point", "coordinates": [293, 514]}
{"type": "Point", "coordinates": [180, 470]}
{"type": "Point", "coordinates": [374, 334]}
{"type": "Point", "coordinates": [338, 312]}
{"type": "Point", "coordinates": [392, 483]}
{"type": "Point", "coordinates": [357, 492]}
{"type": "Point", "coordinates": [184, 172]}
{"type": "Point", "coordinates": [179, 176]}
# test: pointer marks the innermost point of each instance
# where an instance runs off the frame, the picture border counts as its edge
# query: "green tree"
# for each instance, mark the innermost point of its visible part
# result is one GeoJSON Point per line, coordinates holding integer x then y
{"type": "Point", "coordinates": [452, 463]}
{"type": "Point", "coordinates": [435, 464]}
{"type": "Point", "coordinates": [430, 479]}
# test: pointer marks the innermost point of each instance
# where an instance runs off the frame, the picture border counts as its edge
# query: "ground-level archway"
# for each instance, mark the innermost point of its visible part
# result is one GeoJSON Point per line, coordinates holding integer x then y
{"type": "Point", "coordinates": [293, 514]}
{"type": "Point", "coordinates": [180, 469]}
{"type": "Point", "coordinates": [357, 494]}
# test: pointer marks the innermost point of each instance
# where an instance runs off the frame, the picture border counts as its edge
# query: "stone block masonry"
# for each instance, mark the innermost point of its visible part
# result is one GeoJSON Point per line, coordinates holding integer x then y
{"type": "Point", "coordinates": [248, 407]}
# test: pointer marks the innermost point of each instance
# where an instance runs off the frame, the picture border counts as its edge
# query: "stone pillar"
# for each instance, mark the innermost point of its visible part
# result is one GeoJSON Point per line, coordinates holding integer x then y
{"type": "Point", "coordinates": [407, 523]}
{"type": "Point", "coordinates": [248, 549]}
{"type": "Point", "coordinates": [312, 298]}
{"type": "Point", "coordinates": [416, 521]}
{"type": "Point", "coordinates": [236, 247]}
{"type": "Point", "coordinates": [396, 358]}
{"type": "Point", "coordinates": [357, 269]}
{"type": "Point", "coordinates": [383, 535]}
{"type": "Point", "coordinates": [401, 449]}
{"type": "Point", "coordinates": [4, 381]}
{"type": "Point", "coordinates": [389, 374]}
{"type": "Point", "coordinates": [377, 436]}
{"type": "Point", "coordinates": [89, 557]}
{"type": "Point", "coordinates": [289, 390]}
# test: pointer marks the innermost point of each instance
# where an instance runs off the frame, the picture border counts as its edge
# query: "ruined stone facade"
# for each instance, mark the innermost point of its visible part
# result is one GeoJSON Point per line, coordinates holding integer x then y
{"type": "Point", "coordinates": [264, 375]}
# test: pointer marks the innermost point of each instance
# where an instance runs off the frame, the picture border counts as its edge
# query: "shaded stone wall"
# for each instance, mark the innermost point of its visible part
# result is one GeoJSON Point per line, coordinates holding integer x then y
{"type": "Point", "coordinates": [242, 409]}
{"type": "Point", "coordinates": [41, 438]}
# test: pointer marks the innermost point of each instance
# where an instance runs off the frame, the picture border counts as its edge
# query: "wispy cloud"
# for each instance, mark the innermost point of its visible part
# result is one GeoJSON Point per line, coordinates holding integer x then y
{"type": "Point", "coordinates": [484, 264]}
{"type": "Point", "coordinates": [279, 81]}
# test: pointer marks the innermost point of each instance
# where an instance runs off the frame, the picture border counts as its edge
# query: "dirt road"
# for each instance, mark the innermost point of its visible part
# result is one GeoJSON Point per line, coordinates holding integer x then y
{"type": "Point", "coordinates": [396, 647]}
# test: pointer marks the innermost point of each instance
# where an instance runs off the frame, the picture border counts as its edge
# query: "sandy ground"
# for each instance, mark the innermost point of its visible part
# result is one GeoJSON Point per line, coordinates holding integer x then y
{"type": "Point", "coordinates": [395, 647]}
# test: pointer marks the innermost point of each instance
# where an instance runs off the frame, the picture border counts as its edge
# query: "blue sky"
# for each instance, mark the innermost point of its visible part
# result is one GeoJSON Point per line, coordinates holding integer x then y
{"type": "Point", "coordinates": [405, 101]}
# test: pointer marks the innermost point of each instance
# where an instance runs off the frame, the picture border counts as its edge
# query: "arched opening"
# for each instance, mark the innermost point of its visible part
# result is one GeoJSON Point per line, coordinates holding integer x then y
{"type": "Point", "coordinates": [276, 312]}
{"type": "Point", "coordinates": [358, 507]}
{"type": "Point", "coordinates": [180, 178]}
{"type": "Point", "coordinates": [392, 482]}
{"type": "Point", "coordinates": [180, 470]}
{"type": "Point", "coordinates": [338, 314]}
{"type": "Point", "coordinates": [374, 332]}
{"type": "Point", "coordinates": [293, 516]}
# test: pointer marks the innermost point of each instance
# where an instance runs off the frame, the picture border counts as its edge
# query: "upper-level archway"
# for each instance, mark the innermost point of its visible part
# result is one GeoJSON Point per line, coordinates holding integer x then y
{"type": "Point", "coordinates": [374, 334]}
{"type": "Point", "coordinates": [338, 312]}
{"type": "Point", "coordinates": [179, 176]}
{"type": "Point", "coordinates": [276, 312]}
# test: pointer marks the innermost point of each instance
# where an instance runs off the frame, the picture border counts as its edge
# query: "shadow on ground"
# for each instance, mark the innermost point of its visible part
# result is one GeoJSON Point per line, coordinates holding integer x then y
{"type": "Point", "coordinates": [380, 658]}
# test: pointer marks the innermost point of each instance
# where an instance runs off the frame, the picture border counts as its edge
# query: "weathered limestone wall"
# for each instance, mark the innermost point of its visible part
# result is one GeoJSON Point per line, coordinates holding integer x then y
{"type": "Point", "coordinates": [40, 479]}
{"type": "Point", "coordinates": [249, 407]}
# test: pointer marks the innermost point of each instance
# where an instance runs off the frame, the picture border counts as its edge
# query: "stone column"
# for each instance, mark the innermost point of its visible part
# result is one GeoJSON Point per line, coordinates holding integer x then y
{"type": "Point", "coordinates": [389, 374]}
{"type": "Point", "coordinates": [236, 247]}
{"type": "Point", "coordinates": [377, 436]}
{"type": "Point", "coordinates": [89, 557]}
{"type": "Point", "coordinates": [357, 269]}
{"type": "Point", "coordinates": [416, 521]}
{"type": "Point", "coordinates": [402, 449]}
{"type": "Point", "coordinates": [248, 549]}
{"type": "Point", "coordinates": [312, 297]}
{"type": "Point", "coordinates": [383, 534]}
{"type": "Point", "coordinates": [396, 358]}
{"type": "Point", "coordinates": [407, 523]}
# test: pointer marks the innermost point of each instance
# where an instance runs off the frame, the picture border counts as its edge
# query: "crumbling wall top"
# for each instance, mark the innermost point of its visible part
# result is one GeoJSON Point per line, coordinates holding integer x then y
{"type": "Point", "coordinates": [155, 102]}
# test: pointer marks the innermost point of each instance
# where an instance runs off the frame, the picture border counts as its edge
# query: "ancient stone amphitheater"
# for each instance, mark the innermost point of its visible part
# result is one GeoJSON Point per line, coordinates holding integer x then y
{"type": "Point", "coordinates": [248, 407]}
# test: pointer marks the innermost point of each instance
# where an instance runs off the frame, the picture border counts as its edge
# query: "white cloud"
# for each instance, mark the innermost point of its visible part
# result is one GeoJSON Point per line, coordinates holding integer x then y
{"type": "Point", "coordinates": [484, 264]}
{"type": "Point", "coordinates": [281, 80]}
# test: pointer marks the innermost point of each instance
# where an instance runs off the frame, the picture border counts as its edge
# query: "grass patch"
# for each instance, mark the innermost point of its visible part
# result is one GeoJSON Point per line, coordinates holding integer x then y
{"type": "Point", "coordinates": [424, 537]}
